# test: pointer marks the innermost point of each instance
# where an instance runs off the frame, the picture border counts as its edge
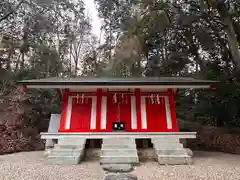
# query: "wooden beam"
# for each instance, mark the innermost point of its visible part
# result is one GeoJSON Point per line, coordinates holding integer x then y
{"type": "Point", "coordinates": [136, 135]}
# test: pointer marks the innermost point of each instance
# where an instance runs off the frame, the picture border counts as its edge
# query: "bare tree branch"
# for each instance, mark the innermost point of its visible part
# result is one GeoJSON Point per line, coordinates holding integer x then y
{"type": "Point", "coordinates": [12, 12]}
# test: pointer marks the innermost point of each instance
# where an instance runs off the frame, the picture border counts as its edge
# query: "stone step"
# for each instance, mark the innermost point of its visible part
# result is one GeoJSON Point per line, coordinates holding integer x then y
{"type": "Point", "coordinates": [119, 159]}
{"type": "Point", "coordinates": [119, 152]}
{"type": "Point", "coordinates": [71, 141]}
{"type": "Point", "coordinates": [67, 152]}
{"type": "Point", "coordinates": [65, 146]}
{"type": "Point", "coordinates": [168, 145]}
{"type": "Point", "coordinates": [64, 159]}
{"type": "Point", "coordinates": [118, 146]}
{"type": "Point", "coordinates": [118, 141]}
{"type": "Point", "coordinates": [174, 159]}
{"type": "Point", "coordinates": [165, 140]}
{"type": "Point", "coordinates": [171, 151]}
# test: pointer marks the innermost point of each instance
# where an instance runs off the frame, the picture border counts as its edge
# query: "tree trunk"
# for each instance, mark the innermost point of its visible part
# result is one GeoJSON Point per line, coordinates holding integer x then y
{"type": "Point", "coordinates": [225, 16]}
{"type": "Point", "coordinates": [18, 61]}
{"type": "Point", "coordinates": [10, 51]}
{"type": "Point", "coordinates": [110, 44]}
{"type": "Point", "coordinates": [22, 62]}
{"type": "Point", "coordinates": [70, 61]}
{"type": "Point", "coordinates": [232, 41]}
{"type": "Point", "coordinates": [76, 67]}
{"type": "Point", "coordinates": [110, 39]}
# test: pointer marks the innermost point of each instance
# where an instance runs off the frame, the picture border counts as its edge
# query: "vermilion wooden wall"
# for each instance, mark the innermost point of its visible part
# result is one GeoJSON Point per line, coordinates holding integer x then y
{"type": "Point", "coordinates": [81, 115]}
{"type": "Point", "coordinates": [156, 116]}
{"type": "Point", "coordinates": [112, 112]}
{"type": "Point", "coordinates": [155, 113]}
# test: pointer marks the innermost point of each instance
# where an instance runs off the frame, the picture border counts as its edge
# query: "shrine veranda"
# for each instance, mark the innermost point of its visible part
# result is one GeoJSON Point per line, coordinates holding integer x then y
{"type": "Point", "coordinates": [118, 110]}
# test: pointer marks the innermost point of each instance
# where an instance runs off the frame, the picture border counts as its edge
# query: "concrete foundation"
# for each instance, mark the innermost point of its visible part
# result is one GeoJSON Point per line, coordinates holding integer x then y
{"type": "Point", "coordinates": [67, 151]}
{"type": "Point", "coordinates": [144, 154]}
{"type": "Point", "coordinates": [169, 151]}
{"type": "Point", "coordinates": [121, 151]}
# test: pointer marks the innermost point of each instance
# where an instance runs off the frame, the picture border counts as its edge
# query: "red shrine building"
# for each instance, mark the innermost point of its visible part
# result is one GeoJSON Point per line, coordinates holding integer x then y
{"type": "Point", "coordinates": [115, 108]}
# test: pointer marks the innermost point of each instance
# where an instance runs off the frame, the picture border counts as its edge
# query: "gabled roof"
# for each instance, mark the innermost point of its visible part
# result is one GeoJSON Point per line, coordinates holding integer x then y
{"type": "Point", "coordinates": [106, 81]}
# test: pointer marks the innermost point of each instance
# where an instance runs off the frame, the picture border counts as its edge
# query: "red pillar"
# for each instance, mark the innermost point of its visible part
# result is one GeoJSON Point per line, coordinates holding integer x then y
{"type": "Point", "coordinates": [64, 107]}
{"type": "Point", "coordinates": [138, 109]}
{"type": "Point", "coordinates": [173, 111]}
{"type": "Point", "coordinates": [98, 109]}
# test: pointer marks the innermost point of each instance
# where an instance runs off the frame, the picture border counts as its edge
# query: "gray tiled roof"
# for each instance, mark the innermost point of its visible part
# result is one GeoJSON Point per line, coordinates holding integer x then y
{"type": "Point", "coordinates": [118, 81]}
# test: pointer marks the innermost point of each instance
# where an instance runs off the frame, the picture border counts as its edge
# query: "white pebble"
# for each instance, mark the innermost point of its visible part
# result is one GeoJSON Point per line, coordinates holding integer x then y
{"type": "Point", "coordinates": [32, 165]}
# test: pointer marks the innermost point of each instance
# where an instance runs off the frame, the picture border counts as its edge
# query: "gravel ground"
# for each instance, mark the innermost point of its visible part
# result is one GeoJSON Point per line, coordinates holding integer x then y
{"type": "Point", "coordinates": [32, 166]}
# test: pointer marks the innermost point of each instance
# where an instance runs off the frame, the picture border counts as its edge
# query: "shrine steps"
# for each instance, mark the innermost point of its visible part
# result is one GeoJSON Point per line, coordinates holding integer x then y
{"type": "Point", "coordinates": [119, 146]}
{"type": "Point", "coordinates": [115, 152]}
{"type": "Point", "coordinates": [119, 160]}
{"type": "Point", "coordinates": [169, 151]}
{"type": "Point", "coordinates": [174, 159]}
{"type": "Point", "coordinates": [68, 151]}
{"type": "Point", "coordinates": [119, 151]}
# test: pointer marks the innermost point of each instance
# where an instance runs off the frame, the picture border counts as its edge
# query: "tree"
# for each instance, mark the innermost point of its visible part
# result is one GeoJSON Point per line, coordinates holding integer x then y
{"type": "Point", "coordinates": [180, 38]}
{"type": "Point", "coordinates": [226, 18]}
{"type": "Point", "coordinates": [35, 43]}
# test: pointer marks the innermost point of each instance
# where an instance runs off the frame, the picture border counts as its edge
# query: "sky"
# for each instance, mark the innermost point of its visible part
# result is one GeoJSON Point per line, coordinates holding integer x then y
{"type": "Point", "coordinates": [91, 10]}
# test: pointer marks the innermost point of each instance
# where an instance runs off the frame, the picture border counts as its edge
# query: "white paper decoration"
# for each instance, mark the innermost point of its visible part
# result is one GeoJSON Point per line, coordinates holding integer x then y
{"type": "Point", "coordinates": [152, 99]}
{"type": "Point", "coordinates": [115, 98]}
{"type": "Point", "coordinates": [82, 98]}
{"type": "Point", "coordinates": [158, 99]}
{"type": "Point", "coordinates": [77, 97]}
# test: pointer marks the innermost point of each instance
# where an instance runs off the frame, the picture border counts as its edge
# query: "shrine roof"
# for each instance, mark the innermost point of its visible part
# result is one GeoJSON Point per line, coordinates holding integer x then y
{"type": "Point", "coordinates": [114, 81]}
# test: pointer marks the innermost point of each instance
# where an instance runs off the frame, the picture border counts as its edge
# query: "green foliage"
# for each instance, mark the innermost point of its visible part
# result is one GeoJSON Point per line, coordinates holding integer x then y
{"type": "Point", "coordinates": [150, 38]}
{"type": "Point", "coordinates": [34, 43]}
{"type": "Point", "coordinates": [40, 105]}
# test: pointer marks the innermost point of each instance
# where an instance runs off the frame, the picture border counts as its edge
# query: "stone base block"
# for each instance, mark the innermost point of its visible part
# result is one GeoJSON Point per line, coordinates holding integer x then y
{"type": "Point", "coordinates": [67, 152]}
{"type": "Point", "coordinates": [119, 146]}
{"type": "Point", "coordinates": [64, 160]}
{"type": "Point", "coordinates": [167, 145]}
{"type": "Point", "coordinates": [117, 168]}
{"type": "Point", "coordinates": [174, 160]}
{"type": "Point", "coordinates": [119, 141]}
{"type": "Point", "coordinates": [165, 140]}
{"type": "Point", "coordinates": [119, 159]}
{"type": "Point", "coordinates": [71, 141]}
{"type": "Point", "coordinates": [63, 146]}
{"type": "Point", "coordinates": [119, 152]}
{"type": "Point", "coordinates": [171, 152]}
